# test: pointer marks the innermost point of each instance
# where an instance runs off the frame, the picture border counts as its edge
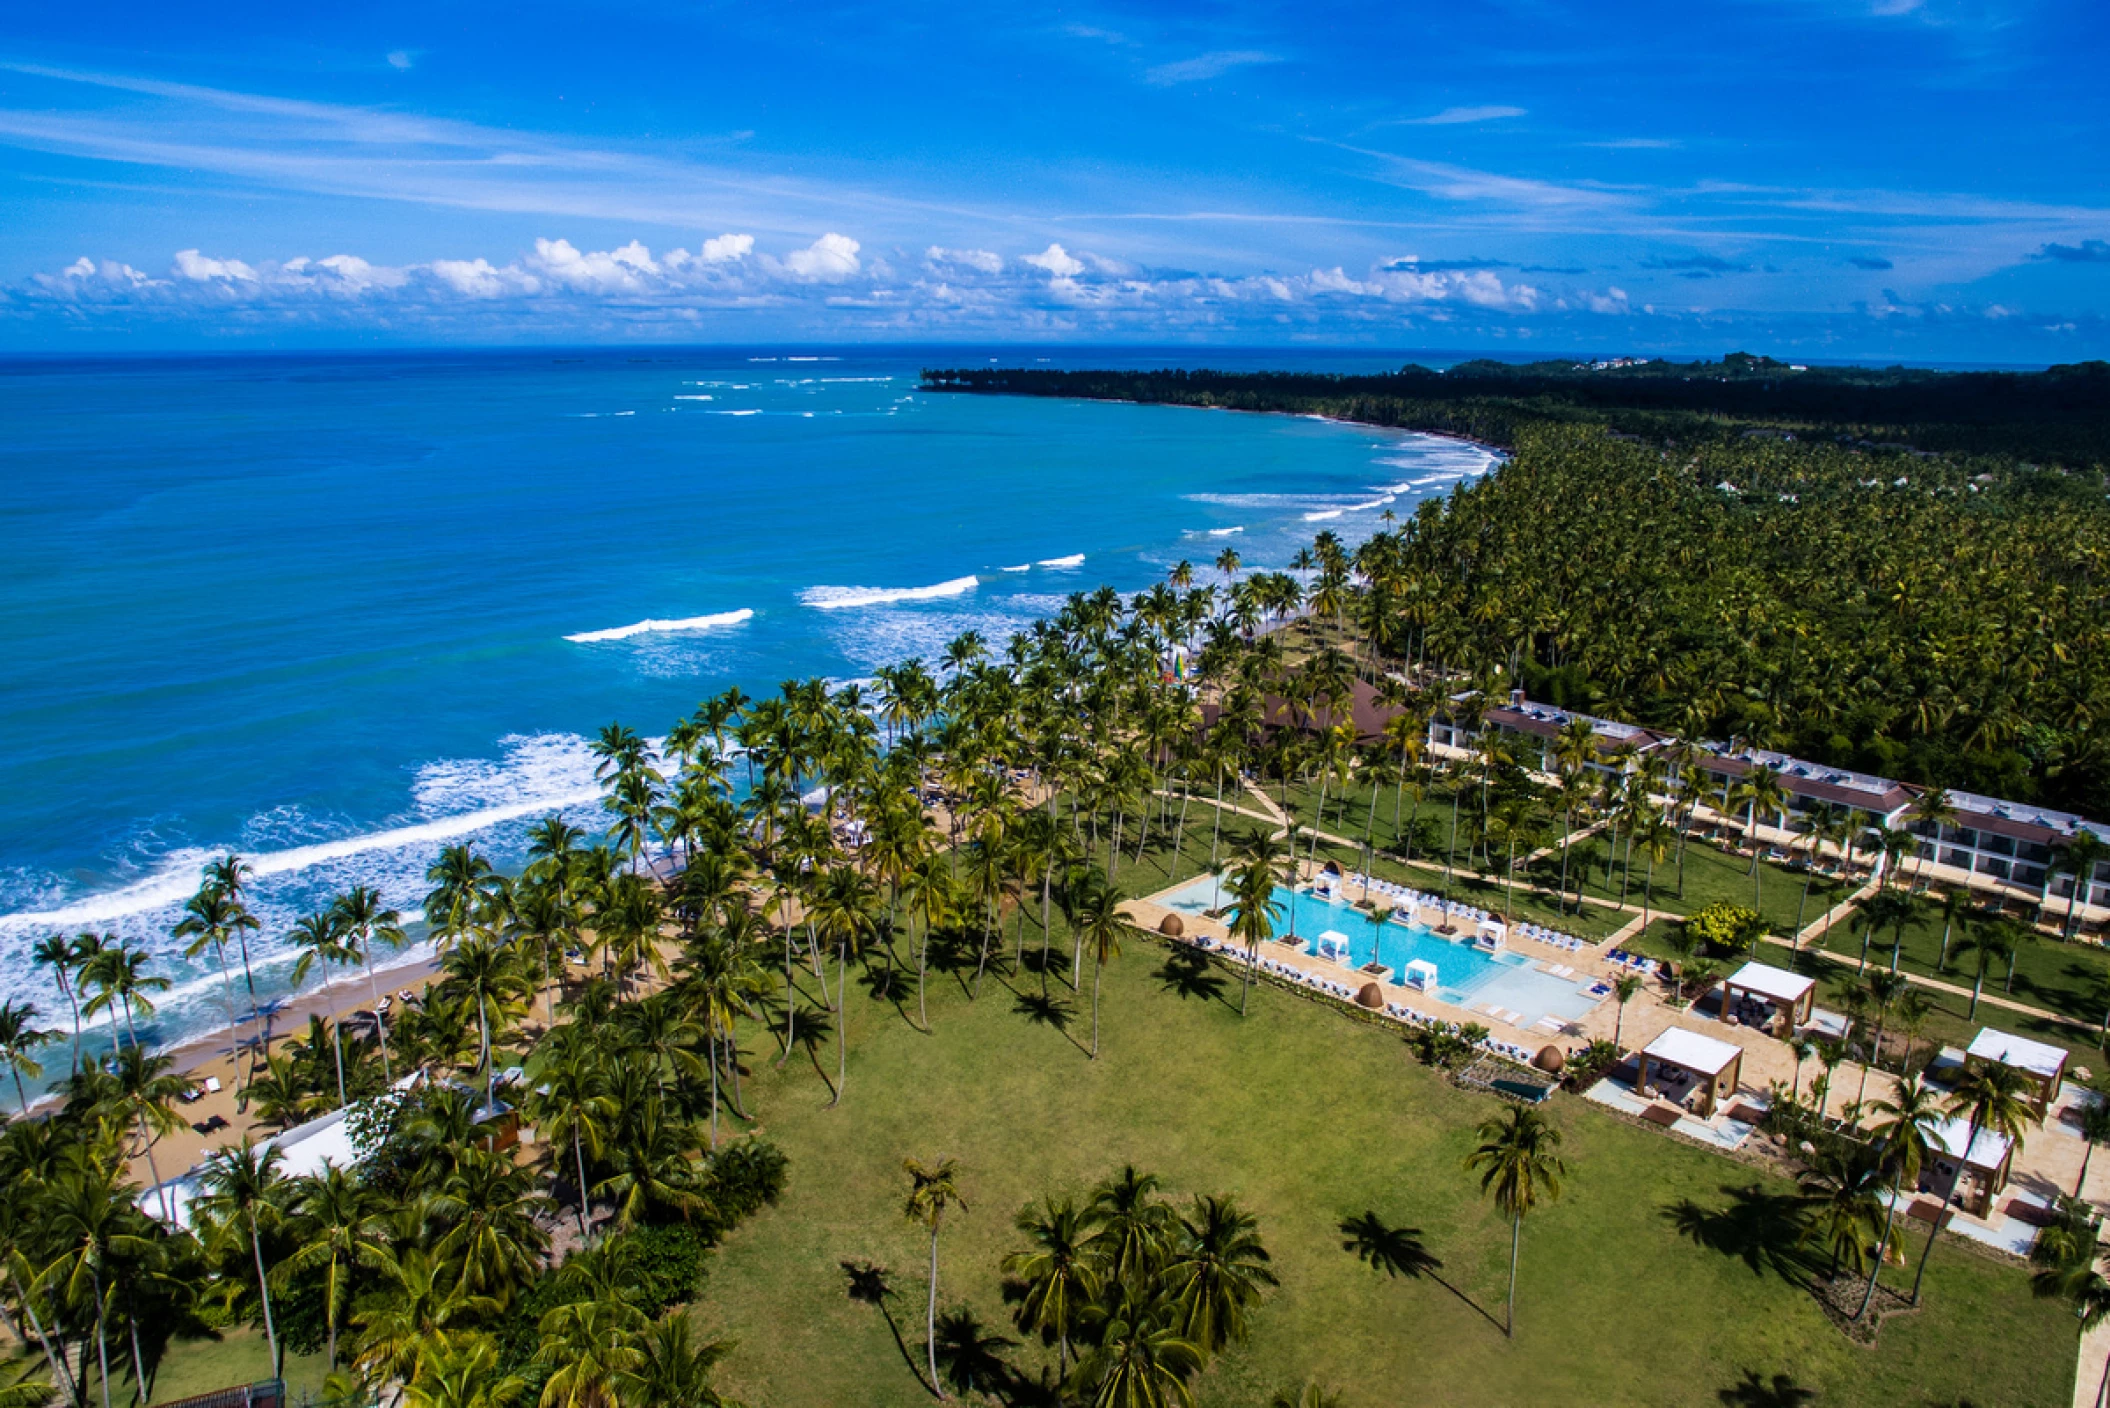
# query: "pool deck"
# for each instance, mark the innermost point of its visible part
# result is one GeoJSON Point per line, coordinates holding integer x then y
{"type": "Point", "coordinates": [2048, 1163]}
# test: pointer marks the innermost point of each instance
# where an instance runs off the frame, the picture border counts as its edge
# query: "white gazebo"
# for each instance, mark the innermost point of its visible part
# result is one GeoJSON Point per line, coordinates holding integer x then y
{"type": "Point", "coordinates": [1972, 1182]}
{"type": "Point", "coordinates": [1768, 998]}
{"type": "Point", "coordinates": [1491, 934]}
{"type": "Point", "coordinates": [1690, 1070]}
{"type": "Point", "coordinates": [1333, 944]}
{"type": "Point", "coordinates": [2043, 1064]}
{"type": "Point", "coordinates": [1420, 974]}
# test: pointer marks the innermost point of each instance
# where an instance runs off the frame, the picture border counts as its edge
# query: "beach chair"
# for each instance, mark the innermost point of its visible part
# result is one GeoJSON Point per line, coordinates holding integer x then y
{"type": "Point", "coordinates": [212, 1085]}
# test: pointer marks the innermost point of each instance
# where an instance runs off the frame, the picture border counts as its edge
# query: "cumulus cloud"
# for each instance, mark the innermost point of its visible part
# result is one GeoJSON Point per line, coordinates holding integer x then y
{"type": "Point", "coordinates": [1206, 66]}
{"type": "Point", "coordinates": [831, 257]}
{"type": "Point", "coordinates": [721, 248]}
{"type": "Point", "coordinates": [199, 269]}
{"type": "Point", "coordinates": [560, 285]}
{"type": "Point", "coordinates": [1057, 261]}
{"type": "Point", "coordinates": [981, 261]}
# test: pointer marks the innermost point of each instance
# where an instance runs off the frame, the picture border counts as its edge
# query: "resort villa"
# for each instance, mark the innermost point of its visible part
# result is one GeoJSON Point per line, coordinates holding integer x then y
{"type": "Point", "coordinates": [2000, 849]}
{"type": "Point", "coordinates": [2042, 1065]}
{"type": "Point", "coordinates": [1969, 1172]}
{"type": "Point", "coordinates": [1689, 1070]}
{"type": "Point", "coordinates": [1768, 999]}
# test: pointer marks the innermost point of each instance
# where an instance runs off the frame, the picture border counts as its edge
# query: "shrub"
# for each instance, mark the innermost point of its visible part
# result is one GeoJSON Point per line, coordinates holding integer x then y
{"type": "Point", "coordinates": [745, 1178]}
{"type": "Point", "coordinates": [1725, 927]}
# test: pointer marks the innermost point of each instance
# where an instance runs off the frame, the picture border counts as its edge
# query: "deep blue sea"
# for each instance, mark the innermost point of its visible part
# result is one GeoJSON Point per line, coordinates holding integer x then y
{"type": "Point", "coordinates": [334, 612]}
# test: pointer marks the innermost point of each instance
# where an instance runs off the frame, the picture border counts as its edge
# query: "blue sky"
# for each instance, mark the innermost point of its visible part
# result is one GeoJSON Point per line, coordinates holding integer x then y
{"type": "Point", "coordinates": [1874, 179]}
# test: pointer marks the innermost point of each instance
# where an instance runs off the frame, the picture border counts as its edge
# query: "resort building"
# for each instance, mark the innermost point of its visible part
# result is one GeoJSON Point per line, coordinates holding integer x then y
{"type": "Point", "coordinates": [1537, 727]}
{"type": "Point", "coordinates": [1966, 1170]}
{"type": "Point", "coordinates": [2044, 1066]}
{"type": "Point", "coordinates": [1809, 787]}
{"type": "Point", "coordinates": [2009, 844]}
{"type": "Point", "coordinates": [1770, 999]}
{"type": "Point", "coordinates": [1690, 1070]}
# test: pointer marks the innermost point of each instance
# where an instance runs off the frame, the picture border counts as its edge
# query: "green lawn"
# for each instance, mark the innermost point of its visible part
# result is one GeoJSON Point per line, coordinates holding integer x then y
{"type": "Point", "coordinates": [193, 1367]}
{"type": "Point", "coordinates": [2072, 979]}
{"type": "Point", "coordinates": [1636, 1286]}
{"type": "Point", "coordinates": [1710, 874]}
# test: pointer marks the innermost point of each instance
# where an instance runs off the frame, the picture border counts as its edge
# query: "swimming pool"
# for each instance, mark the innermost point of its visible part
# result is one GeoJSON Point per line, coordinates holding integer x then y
{"type": "Point", "coordinates": [1467, 976]}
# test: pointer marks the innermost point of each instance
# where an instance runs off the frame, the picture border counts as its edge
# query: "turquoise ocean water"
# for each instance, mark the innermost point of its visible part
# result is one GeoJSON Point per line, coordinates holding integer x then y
{"type": "Point", "coordinates": [334, 612]}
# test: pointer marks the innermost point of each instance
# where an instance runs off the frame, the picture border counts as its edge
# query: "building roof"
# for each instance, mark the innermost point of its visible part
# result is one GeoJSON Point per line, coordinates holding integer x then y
{"type": "Point", "coordinates": [1799, 777]}
{"type": "Point", "coordinates": [1547, 720]}
{"type": "Point", "coordinates": [1693, 1051]}
{"type": "Point", "coordinates": [1986, 1151]}
{"type": "Point", "coordinates": [1768, 981]}
{"type": "Point", "coordinates": [2020, 820]}
{"type": "Point", "coordinates": [2036, 1057]}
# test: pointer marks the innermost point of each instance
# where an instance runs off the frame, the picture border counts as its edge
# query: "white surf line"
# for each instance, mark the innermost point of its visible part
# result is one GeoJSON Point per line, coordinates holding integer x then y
{"type": "Point", "coordinates": [655, 626]}
{"type": "Point", "coordinates": [839, 598]}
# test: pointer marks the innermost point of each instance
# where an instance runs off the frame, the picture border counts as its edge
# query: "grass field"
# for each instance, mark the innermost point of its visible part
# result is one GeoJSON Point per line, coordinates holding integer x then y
{"type": "Point", "coordinates": [1652, 1281]}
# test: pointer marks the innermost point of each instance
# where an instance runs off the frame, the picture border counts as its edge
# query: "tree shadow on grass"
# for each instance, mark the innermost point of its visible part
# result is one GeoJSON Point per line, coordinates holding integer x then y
{"type": "Point", "coordinates": [869, 1286]}
{"type": "Point", "coordinates": [1398, 1251]}
{"type": "Point", "coordinates": [1753, 1391]}
{"type": "Point", "coordinates": [1046, 1012]}
{"type": "Point", "coordinates": [1763, 1230]}
{"type": "Point", "coordinates": [1188, 973]}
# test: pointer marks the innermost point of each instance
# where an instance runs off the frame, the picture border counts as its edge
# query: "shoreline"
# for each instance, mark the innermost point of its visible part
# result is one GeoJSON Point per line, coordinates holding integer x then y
{"type": "Point", "coordinates": [1504, 451]}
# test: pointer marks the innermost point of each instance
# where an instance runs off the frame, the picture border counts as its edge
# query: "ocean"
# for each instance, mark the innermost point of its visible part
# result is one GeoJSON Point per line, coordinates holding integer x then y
{"type": "Point", "coordinates": [332, 612]}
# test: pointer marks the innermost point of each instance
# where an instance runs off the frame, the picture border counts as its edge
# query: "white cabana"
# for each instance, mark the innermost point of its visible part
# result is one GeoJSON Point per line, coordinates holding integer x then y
{"type": "Point", "coordinates": [1333, 944]}
{"type": "Point", "coordinates": [1491, 933]}
{"type": "Point", "coordinates": [1420, 974]}
{"type": "Point", "coordinates": [1760, 995]}
{"type": "Point", "coordinates": [1692, 1070]}
{"type": "Point", "coordinates": [1973, 1182]}
{"type": "Point", "coordinates": [2043, 1064]}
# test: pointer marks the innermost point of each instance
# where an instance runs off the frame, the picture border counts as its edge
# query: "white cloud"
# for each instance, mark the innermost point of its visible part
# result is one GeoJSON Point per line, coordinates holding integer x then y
{"type": "Point", "coordinates": [1207, 66]}
{"type": "Point", "coordinates": [721, 248]}
{"type": "Point", "coordinates": [830, 257]}
{"type": "Point", "coordinates": [401, 59]}
{"type": "Point", "coordinates": [1056, 260]}
{"type": "Point", "coordinates": [979, 260]}
{"type": "Point", "coordinates": [198, 269]}
{"type": "Point", "coordinates": [624, 270]}
{"type": "Point", "coordinates": [1334, 281]}
{"type": "Point", "coordinates": [1612, 300]}
{"type": "Point", "coordinates": [1453, 116]}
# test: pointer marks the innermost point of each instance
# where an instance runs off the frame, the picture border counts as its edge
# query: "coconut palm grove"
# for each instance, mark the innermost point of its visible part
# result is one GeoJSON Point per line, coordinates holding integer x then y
{"type": "Point", "coordinates": [963, 1034]}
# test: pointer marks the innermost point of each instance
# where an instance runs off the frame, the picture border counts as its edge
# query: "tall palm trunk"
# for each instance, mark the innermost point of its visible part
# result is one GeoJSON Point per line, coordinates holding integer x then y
{"type": "Point", "coordinates": [1516, 1237]}
{"type": "Point", "coordinates": [373, 994]}
{"type": "Point", "coordinates": [61, 1372]}
{"type": "Point", "coordinates": [930, 1314]}
{"type": "Point", "coordinates": [1897, 1193]}
{"type": "Point", "coordinates": [842, 1023]}
{"type": "Point", "coordinates": [578, 1155]}
{"type": "Point", "coordinates": [263, 1290]}
{"type": "Point", "coordinates": [712, 1035]}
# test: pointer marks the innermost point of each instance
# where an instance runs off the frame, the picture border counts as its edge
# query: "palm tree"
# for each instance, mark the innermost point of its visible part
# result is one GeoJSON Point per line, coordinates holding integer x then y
{"type": "Point", "coordinates": [672, 1369]}
{"type": "Point", "coordinates": [1904, 1140]}
{"type": "Point", "coordinates": [2080, 1284]}
{"type": "Point", "coordinates": [338, 1223]}
{"type": "Point", "coordinates": [1989, 1097]}
{"type": "Point", "coordinates": [142, 1086]}
{"type": "Point", "coordinates": [1059, 1275]}
{"type": "Point", "coordinates": [1991, 941]}
{"type": "Point", "coordinates": [494, 1237]}
{"type": "Point", "coordinates": [1216, 1273]}
{"type": "Point", "coordinates": [365, 920]}
{"type": "Point", "coordinates": [571, 1105]}
{"type": "Point", "coordinates": [1759, 792]}
{"type": "Point", "coordinates": [1094, 910]}
{"type": "Point", "coordinates": [846, 910]}
{"type": "Point", "coordinates": [64, 957]}
{"type": "Point", "coordinates": [461, 1371]}
{"type": "Point", "coordinates": [244, 1183]}
{"type": "Point", "coordinates": [932, 1189]}
{"type": "Point", "coordinates": [1518, 1167]}
{"type": "Point", "coordinates": [1623, 989]}
{"type": "Point", "coordinates": [2095, 1129]}
{"type": "Point", "coordinates": [1140, 1360]}
{"type": "Point", "coordinates": [320, 939]}
{"type": "Point", "coordinates": [230, 875]}
{"type": "Point", "coordinates": [20, 1035]}
{"type": "Point", "coordinates": [1253, 920]}
{"type": "Point", "coordinates": [486, 970]}
{"type": "Point", "coordinates": [591, 1349]}
{"type": "Point", "coordinates": [116, 980]}
{"type": "Point", "coordinates": [2079, 858]}
{"type": "Point", "coordinates": [93, 1225]}
{"type": "Point", "coordinates": [211, 918]}
{"type": "Point", "coordinates": [1842, 1202]}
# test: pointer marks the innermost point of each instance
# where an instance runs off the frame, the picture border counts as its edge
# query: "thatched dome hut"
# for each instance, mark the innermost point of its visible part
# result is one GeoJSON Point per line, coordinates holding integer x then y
{"type": "Point", "coordinates": [1372, 996]}
{"type": "Point", "coordinates": [1550, 1060]}
{"type": "Point", "coordinates": [1172, 926]}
